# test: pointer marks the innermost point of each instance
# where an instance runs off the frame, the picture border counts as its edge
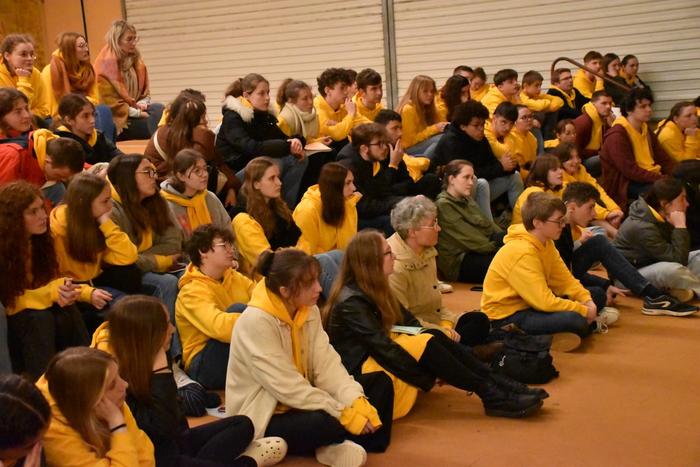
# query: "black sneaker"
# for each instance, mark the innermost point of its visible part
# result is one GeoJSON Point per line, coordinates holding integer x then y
{"type": "Point", "coordinates": [666, 305]}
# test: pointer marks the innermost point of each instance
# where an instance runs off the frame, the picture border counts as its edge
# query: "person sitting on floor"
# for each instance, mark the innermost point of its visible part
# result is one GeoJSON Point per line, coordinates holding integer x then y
{"type": "Point", "coordinates": [631, 156]}
{"type": "Point", "coordinates": [211, 298]}
{"type": "Point", "coordinates": [17, 72]}
{"type": "Point", "coordinates": [285, 376]}
{"type": "Point", "coordinates": [655, 239]}
{"type": "Point", "coordinates": [546, 175]}
{"type": "Point", "coordinates": [369, 94]}
{"type": "Point", "coordinates": [563, 87]}
{"type": "Point", "coordinates": [40, 304]}
{"type": "Point", "coordinates": [337, 113]}
{"type": "Point", "coordinates": [611, 68]}
{"type": "Point", "coordinates": [586, 82]}
{"type": "Point", "coordinates": [580, 250]}
{"type": "Point", "coordinates": [423, 123]}
{"type": "Point", "coordinates": [298, 116]}
{"type": "Point", "coordinates": [678, 133]}
{"type": "Point", "coordinates": [477, 85]}
{"type": "Point", "coordinates": [629, 67]}
{"type": "Point", "coordinates": [465, 139]}
{"type": "Point", "coordinates": [521, 142]}
{"type": "Point", "coordinates": [77, 121]}
{"type": "Point", "coordinates": [414, 281]}
{"type": "Point", "coordinates": [505, 89]}
{"type": "Point", "coordinates": [138, 334]}
{"type": "Point", "coordinates": [545, 107]}
{"type": "Point", "coordinates": [528, 283]}
{"type": "Point", "coordinates": [591, 127]}
{"type": "Point", "coordinates": [565, 133]}
{"type": "Point", "coordinates": [90, 422]}
{"type": "Point", "coordinates": [361, 315]}
{"type": "Point", "coordinates": [467, 240]}
{"type": "Point", "coordinates": [455, 91]}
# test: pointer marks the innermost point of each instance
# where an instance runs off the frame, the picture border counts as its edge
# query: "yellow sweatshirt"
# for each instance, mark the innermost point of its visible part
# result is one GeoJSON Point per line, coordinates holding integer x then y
{"type": "Point", "coordinates": [677, 145]}
{"type": "Point", "coordinates": [319, 236]}
{"type": "Point", "coordinates": [584, 176]}
{"type": "Point", "coordinates": [31, 86]}
{"type": "Point", "coordinates": [344, 121]}
{"type": "Point", "coordinates": [492, 98]}
{"type": "Point", "coordinates": [527, 274]}
{"type": "Point", "coordinates": [415, 131]}
{"type": "Point", "coordinates": [65, 447]}
{"type": "Point", "coordinates": [523, 148]}
{"type": "Point", "coordinates": [585, 86]}
{"type": "Point", "coordinates": [479, 94]}
{"type": "Point", "coordinates": [541, 103]}
{"type": "Point", "coordinates": [51, 101]}
{"type": "Point", "coordinates": [362, 109]}
{"type": "Point", "coordinates": [200, 309]}
{"type": "Point", "coordinates": [119, 251]}
{"type": "Point", "coordinates": [498, 147]}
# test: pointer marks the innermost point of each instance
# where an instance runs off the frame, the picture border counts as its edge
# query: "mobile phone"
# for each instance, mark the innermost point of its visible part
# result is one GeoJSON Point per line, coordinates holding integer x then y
{"type": "Point", "coordinates": [477, 288]}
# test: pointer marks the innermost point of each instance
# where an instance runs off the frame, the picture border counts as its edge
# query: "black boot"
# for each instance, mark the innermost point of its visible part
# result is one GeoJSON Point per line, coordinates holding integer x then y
{"type": "Point", "coordinates": [499, 402]}
{"type": "Point", "coordinates": [517, 387]}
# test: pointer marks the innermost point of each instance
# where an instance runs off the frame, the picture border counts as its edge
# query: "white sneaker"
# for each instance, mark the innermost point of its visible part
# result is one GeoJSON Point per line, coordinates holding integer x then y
{"type": "Point", "coordinates": [606, 317]}
{"type": "Point", "coordinates": [267, 451]}
{"type": "Point", "coordinates": [345, 454]}
{"type": "Point", "coordinates": [444, 287]}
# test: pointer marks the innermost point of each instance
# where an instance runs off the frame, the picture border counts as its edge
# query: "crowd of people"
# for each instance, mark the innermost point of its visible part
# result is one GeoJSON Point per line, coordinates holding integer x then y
{"type": "Point", "coordinates": [294, 256]}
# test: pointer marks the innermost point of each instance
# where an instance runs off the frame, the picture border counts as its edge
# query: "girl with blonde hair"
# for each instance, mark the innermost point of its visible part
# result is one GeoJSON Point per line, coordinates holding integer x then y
{"type": "Point", "coordinates": [423, 123]}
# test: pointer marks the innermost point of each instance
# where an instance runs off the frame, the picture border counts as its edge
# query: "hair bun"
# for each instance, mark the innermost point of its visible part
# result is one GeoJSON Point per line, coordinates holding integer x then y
{"type": "Point", "coordinates": [265, 262]}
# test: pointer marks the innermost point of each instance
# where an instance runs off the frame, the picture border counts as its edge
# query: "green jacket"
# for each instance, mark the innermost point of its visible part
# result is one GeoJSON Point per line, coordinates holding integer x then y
{"type": "Point", "coordinates": [464, 229]}
{"type": "Point", "coordinates": [645, 240]}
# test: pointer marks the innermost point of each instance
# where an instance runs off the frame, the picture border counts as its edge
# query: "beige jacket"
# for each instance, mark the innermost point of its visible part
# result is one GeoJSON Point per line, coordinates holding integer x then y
{"type": "Point", "coordinates": [261, 370]}
{"type": "Point", "coordinates": [414, 283]}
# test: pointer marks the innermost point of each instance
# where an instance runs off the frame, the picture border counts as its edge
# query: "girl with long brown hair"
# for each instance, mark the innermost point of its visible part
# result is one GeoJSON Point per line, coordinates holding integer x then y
{"type": "Point", "coordinates": [91, 248]}
{"type": "Point", "coordinates": [678, 133]}
{"type": "Point", "coordinates": [423, 123]}
{"type": "Point", "coordinates": [122, 83]}
{"type": "Point", "coordinates": [138, 334]}
{"type": "Point", "coordinates": [70, 71]}
{"type": "Point", "coordinates": [90, 423]}
{"type": "Point", "coordinates": [39, 303]}
{"type": "Point", "coordinates": [327, 214]}
{"type": "Point", "coordinates": [454, 92]}
{"type": "Point", "coordinates": [17, 71]}
{"type": "Point", "coordinates": [289, 380]}
{"type": "Point", "coordinates": [546, 174]}
{"type": "Point", "coordinates": [361, 316]}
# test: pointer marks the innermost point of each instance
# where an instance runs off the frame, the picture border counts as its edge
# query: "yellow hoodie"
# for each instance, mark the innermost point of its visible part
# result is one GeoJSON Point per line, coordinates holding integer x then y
{"type": "Point", "coordinates": [527, 274]}
{"type": "Point", "coordinates": [480, 94]}
{"type": "Point", "coordinates": [319, 236]}
{"type": "Point", "coordinates": [523, 149]}
{"type": "Point", "coordinates": [492, 98]}
{"type": "Point", "coordinates": [31, 86]}
{"type": "Point", "coordinates": [583, 176]}
{"type": "Point", "coordinates": [499, 148]}
{"type": "Point", "coordinates": [585, 86]}
{"type": "Point", "coordinates": [119, 251]}
{"type": "Point", "coordinates": [362, 109]}
{"type": "Point", "coordinates": [200, 309]}
{"type": "Point", "coordinates": [677, 145]}
{"type": "Point", "coordinates": [415, 131]}
{"type": "Point", "coordinates": [65, 447]}
{"type": "Point", "coordinates": [344, 121]}
{"type": "Point", "coordinates": [541, 103]}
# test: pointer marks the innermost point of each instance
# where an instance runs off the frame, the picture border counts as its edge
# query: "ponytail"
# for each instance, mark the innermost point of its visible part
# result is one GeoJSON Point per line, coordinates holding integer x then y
{"type": "Point", "coordinates": [281, 98]}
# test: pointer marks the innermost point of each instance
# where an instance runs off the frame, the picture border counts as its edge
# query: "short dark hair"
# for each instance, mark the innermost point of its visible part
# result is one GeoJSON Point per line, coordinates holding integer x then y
{"type": "Point", "coordinates": [540, 206]}
{"type": "Point", "coordinates": [459, 68]}
{"type": "Point", "coordinates": [563, 151]}
{"type": "Point", "coordinates": [507, 110]}
{"type": "Point", "coordinates": [352, 74]}
{"type": "Point", "coordinates": [532, 77]}
{"type": "Point", "coordinates": [330, 77]}
{"type": "Point", "coordinates": [635, 96]}
{"type": "Point", "coordinates": [368, 77]}
{"type": "Point", "coordinates": [480, 73]}
{"type": "Point", "coordinates": [595, 97]}
{"type": "Point", "coordinates": [627, 58]}
{"type": "Point", "coordinates": [202, 240]}
{"type": "Point", "coordinates": [666, 189]}
{"type": "Point", "coordinates": [592, 55]}
{"type": "Point", "coordinates": [557, 73]}
{"type": "Point", "coordinates": [464, 113]}
{"type": "Point", "coordinates": [365, 133]}
{"type": "Point", "coordinates": [504, 75]}
{"type": "Point", "coordinates": [580, 193]}
{"type": "Point", "coordinates": [66, 152]}
{"type": "Point", "coordinates": [387, 115]}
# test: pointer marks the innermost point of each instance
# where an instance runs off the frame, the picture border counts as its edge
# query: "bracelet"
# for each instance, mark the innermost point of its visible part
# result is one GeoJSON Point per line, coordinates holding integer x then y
{"type": "Point", "coordinates": [118, 427]}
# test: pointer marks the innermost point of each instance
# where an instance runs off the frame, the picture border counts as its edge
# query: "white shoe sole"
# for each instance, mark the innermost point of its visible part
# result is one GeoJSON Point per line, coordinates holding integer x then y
{"type": "Point", "coordinates": [345, 454]}
{"type": "Point", "coordinates": [661, 312]}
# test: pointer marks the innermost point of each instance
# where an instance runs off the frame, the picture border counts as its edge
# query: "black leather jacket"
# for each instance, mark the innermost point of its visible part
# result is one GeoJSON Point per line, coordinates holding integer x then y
{"type": "Point", "coordinates": [356, 332]}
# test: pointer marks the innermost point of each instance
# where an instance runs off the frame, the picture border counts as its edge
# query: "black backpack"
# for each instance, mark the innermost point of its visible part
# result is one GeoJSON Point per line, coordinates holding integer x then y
{"type": "Point", "coordinates": [526, 359]}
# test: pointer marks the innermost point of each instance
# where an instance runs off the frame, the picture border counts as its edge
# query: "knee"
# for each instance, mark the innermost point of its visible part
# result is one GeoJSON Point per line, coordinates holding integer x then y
{"type": "Point", "coordinates": [320, 421]}
{"type": "Point", "coordinates": [516, 181]}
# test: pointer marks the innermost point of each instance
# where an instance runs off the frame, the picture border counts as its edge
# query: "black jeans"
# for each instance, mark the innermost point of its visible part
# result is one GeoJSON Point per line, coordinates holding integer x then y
{"type": "Point", "coordinates": [305, 431]}
{"type": "Point", "coordinates": [35, 336]}
{"type": "Point", "coordinates": [217, 444]}
{"type": "Point", "coordinates": [474, 328]}
{"type": "Point", "coordinates": [143, 128]}
{"type": "Point", "coordinates": [453, 363]}
{"type": "Point", "coordinates": [474, 267]}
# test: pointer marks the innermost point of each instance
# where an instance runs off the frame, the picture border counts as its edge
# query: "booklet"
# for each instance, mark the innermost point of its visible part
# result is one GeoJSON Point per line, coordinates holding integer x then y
{"type": "Point", "coordinates": [313, 148]}
{"type": "Point", "coordinates": [412, 330]}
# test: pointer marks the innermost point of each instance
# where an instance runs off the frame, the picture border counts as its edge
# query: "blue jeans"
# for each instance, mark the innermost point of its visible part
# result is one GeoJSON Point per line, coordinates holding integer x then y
{"type": "Point", "coordinates": [5, 363]}
{"type": "Point", "coordinates": [54, 193]}
{"type": "Point", "coordinates": [143, 128]}
{"type": "Point", "coordinates": [512, 184]}
{"type": "Point", "coordinates": [104, 123]}
{"type": "Point", "coordinates": [482, 196]}
{"type": "Point", "coordinates": [292, 171]}
{"type": "Point", "coordinates": [539, 322]}
{"type": "Point", "coordinates": [330, 267]}
{"type": "Point", "coordinates": [425, 148]}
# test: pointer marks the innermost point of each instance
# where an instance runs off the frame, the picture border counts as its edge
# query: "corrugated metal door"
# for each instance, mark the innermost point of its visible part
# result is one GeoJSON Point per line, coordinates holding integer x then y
{"type": "Point", "coordinates": [433, 36]}
{"type": "Point", "coordinates": [206, 44]}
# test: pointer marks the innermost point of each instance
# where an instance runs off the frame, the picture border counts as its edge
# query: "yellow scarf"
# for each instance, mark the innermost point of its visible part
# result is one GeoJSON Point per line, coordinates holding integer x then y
{"type": "Point", "coordinates": [551, 143]}
{"type": "Point", "coordinates": [197, 210]}
{"type": "Point", "coordinates": [629, 80]}
{"type": "Point", "coordinates": [41, 138]}
{"type": "Point", "coordinates": [640, 145]}
{"type": "Point", "coordinates": [570, 97]}
{"type": "Point", "coordinates": [597, 130]}
{"type": "Point", "coordinates": [656, 214]}
{"type": "Point", "coordinates": [270, 303]}
{"type": "Point", "coordinates": [91, 141]}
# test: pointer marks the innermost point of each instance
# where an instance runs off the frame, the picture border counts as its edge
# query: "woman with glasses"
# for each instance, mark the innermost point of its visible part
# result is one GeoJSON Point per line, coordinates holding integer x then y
{"type": "Point", "coordinates": [189, 200]}
{"type": "Point", "coordinates": [17, 71]}
{"type": "Point", "coordinates": [467, 240]}
{"type": "Point", "coordinates": [70, 71]}
{"type": "Point", "coordinates": [122, 82]}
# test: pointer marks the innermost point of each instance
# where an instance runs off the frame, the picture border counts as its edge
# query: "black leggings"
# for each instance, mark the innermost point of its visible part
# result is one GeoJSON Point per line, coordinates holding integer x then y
{"type": "Point", "coordinates": [474, 267]}
{"type": "Point", "coordinates": [217, 444]}
{"type": "Point", "coordinates": [305, 431]}
{"type": "Point", "coordinates": [453, 363]}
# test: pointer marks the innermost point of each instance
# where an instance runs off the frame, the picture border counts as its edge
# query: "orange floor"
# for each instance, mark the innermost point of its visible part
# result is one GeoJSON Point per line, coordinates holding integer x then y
{"type": "Point", "coordinates": [626, 398]}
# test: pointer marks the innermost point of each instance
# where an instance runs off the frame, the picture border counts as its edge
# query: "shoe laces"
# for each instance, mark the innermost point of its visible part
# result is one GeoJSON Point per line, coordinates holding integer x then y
{"type": "Point", "coordinates": [601, 327]}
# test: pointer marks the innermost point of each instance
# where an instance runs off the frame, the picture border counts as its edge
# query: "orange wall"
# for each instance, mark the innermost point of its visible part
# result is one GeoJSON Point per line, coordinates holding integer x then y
{"type": "Point", "coordinates": [25, 16]}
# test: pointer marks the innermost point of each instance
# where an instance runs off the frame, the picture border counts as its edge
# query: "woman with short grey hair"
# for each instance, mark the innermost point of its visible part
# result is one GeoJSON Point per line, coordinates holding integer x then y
{"type": "Point", "coordinates": [414, 281]}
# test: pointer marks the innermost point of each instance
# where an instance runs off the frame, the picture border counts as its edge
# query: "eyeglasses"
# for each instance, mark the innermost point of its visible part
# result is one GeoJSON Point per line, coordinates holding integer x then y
{"type": "Point", "coordinates": [227, 246]}
{"type": "Point", "coordinates": [151, 172]}
{"type": "Point", "coordinates": [199, 171]}
{"type": "Point", "coordinates": [82, 46]}
{"type": "Point", "coordinates": [561, 221]}
{"type": "Point", "coordinates": [433, 226]}
{"type": "Point", "coordinates": [382, 144]}
{"type": "Point", "coordinates": [526, 117]}
{"type": "Point", "coordinates": [131, 40]}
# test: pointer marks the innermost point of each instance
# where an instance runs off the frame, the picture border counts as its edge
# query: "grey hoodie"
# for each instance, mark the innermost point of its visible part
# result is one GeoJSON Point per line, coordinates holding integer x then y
{"type": "Point", "coordinates": [217, 212]}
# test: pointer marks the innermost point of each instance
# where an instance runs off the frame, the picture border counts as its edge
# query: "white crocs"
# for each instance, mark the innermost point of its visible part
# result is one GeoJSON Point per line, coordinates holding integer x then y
{"type": "Point", "coordinates": [345, 454]}
{"type": "Point", "coordinates": [267, 451]}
